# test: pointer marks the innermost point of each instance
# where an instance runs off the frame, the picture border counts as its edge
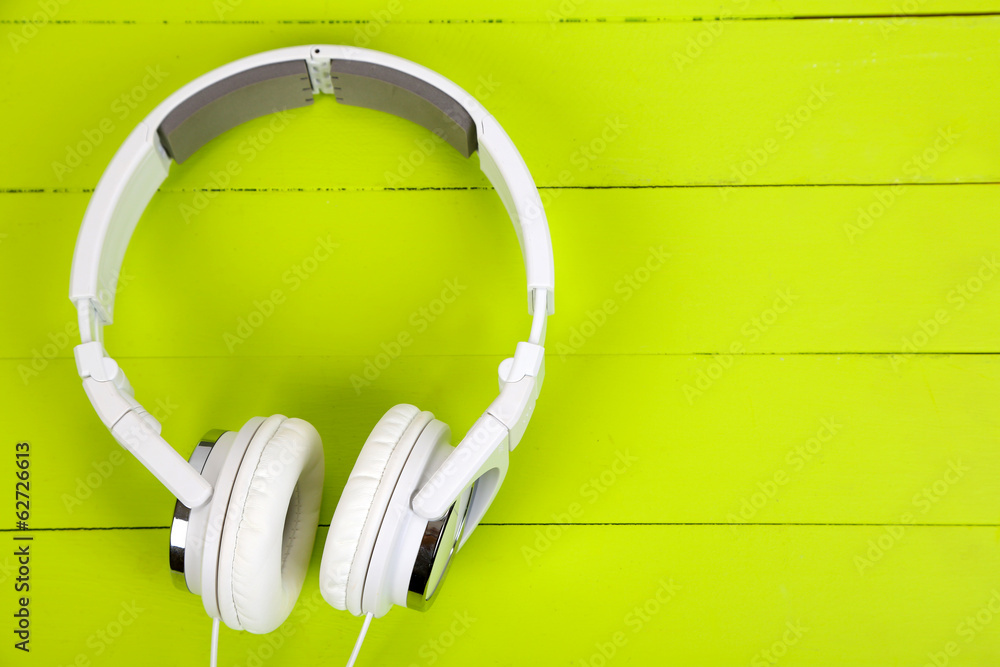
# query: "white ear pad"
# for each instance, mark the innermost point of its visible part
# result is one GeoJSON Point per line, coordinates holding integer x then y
{"type": "Point", "coordinates": [363, 503]}
{"type": "Point", "coordinates": [270, 525]}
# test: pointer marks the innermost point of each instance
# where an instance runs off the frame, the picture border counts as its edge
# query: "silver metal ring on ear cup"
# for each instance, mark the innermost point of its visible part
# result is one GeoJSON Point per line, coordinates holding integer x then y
{"type": "Point", "coordinates": [435, 553]}
{"type": "Point", "coordinates": [182, 513]}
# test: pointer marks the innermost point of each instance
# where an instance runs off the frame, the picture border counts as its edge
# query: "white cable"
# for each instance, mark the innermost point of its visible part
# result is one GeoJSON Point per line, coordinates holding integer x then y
{"type": "Point", "coordinates": [213, 659]}
{"type": "Point", "coordinates": [361, 639]}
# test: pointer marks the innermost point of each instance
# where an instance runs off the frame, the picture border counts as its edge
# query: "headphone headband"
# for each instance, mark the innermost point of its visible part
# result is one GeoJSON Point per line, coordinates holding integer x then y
{"type": "Point", "coordinates": [274, 81]}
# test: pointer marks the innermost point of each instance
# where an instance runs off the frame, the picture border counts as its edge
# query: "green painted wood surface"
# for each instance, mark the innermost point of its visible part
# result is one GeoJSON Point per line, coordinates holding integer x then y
{"type": "Point", "coordinates": [771, 377]}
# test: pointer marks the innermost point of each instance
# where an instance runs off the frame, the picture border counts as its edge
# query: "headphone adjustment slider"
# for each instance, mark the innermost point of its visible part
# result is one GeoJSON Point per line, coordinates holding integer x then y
{"type": "Point", "coordinates": [520, 382]}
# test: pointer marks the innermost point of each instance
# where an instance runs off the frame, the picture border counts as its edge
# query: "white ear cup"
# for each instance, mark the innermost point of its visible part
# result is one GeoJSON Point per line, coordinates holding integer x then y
{"type": "Point", "coordinates": [391, 567]}
{"type": "Point", "coordinates": [359, 514]}
{"type": "Point", "coordinates": [270, 525]}
{"type": "Point", "coordinates": [211, 534]}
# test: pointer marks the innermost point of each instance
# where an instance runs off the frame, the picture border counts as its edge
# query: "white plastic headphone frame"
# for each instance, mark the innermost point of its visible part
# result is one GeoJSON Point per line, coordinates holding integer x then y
{"type": "Point", "coordinates": [139, 167]}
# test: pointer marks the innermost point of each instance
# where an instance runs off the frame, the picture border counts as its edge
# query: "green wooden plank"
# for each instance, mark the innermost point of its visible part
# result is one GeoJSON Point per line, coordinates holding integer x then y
{"type": "Point", "coordinates": [382, 12]}
{"type": "Point", "coordinates": [669, 594]}
{"type": "Point", "coordinates": [798, 439]}
{"type": "Point", "coordinates": [826, 102]}
{"type": "Point", "coordinates": [770, 270]}
{"type": "Point", "coordinates": [894, 556]}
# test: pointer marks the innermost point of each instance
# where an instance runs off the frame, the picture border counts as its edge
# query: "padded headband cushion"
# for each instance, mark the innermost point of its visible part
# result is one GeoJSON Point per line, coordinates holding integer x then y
{"type": "Point", "coordinates": [346, 555]}
{"type": "Point", "coordinates": [374, 86]}
{"type": "Point", "coordinates": [231, 101]}
{"type": "Point", "coordinates": [270, 525]}
{"type": "Point", "coordinates": [287, 85]}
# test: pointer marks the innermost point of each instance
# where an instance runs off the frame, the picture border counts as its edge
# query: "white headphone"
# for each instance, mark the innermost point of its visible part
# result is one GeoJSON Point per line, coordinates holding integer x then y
{"type": "Point", "coordinates": [249, 500]}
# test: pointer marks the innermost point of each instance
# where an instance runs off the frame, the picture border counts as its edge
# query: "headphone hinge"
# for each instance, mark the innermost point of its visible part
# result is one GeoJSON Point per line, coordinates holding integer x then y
{"type": "Point", "coordinates": [520, 383]}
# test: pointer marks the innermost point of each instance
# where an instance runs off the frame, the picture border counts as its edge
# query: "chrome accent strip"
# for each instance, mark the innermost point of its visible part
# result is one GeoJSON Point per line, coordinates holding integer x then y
{"type": "Point", "coordinates": [439, 540]}
{"type": "Point", "coordinates": [182, 513]}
